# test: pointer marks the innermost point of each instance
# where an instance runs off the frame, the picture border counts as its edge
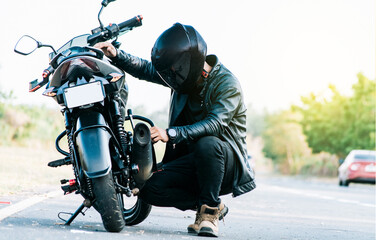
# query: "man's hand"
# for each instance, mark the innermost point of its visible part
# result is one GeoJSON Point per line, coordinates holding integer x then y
{"type": "Point", "coordinates": [108, 49]}
{"type": "Point", "coordinates": [158, 134]}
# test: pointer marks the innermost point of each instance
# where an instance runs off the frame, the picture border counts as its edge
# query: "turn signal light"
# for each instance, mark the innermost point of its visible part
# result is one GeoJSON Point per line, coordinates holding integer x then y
{"type": "Point", "coordinates": [115, 77]}
{"type": "Point", "coordinates": [49, 92]}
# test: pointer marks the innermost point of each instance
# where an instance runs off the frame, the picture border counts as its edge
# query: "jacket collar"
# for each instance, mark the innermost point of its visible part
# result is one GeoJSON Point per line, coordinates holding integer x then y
{"type": "Point", "coordinates": [213, 61]}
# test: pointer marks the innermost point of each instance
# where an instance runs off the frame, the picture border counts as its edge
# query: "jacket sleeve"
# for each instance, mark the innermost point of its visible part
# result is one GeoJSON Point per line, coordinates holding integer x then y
{"type": "Point", "coordinates": [225, 102]}
{"type": "Point", "coordinates": [137, 67]}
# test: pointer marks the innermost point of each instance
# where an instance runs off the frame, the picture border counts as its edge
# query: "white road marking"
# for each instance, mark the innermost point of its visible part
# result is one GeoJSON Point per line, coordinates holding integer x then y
{"type": "Point", "coordinates": [80, 231]}
{"type": "Point", "coordinates": [8, 211]}
{"type": "Point", "coordinates": [315, 195]}
{"type": "Point", "coordinates": [251, 214]}
{"type": "Point", "coordinates": [347, 201]}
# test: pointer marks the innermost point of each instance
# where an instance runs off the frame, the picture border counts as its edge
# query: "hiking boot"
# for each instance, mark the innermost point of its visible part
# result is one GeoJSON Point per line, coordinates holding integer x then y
{"type": "Point", "coordinates": [193, 228]}
{"type": "Point", "coordinates": [209, 221]}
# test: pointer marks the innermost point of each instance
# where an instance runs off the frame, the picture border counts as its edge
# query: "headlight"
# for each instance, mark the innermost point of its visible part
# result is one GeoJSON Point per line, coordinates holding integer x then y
{"type": "Point", "coordinates": [354, 166]}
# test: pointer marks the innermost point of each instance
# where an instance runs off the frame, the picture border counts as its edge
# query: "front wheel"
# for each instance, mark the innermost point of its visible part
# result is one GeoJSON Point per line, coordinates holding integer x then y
{"type": "Point", "coordinates": [107, 203]}
{"type": "Point", "coordinates": [344, 183]}
{"type": "Point", "coordinates": [135, 210]}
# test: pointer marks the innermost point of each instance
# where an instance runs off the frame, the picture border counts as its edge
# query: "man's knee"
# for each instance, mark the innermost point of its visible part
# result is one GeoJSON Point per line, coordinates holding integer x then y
{"type": "Point", "coordinates": [209, 147]}
{"type": "Point", "coordinates": [208, 143]}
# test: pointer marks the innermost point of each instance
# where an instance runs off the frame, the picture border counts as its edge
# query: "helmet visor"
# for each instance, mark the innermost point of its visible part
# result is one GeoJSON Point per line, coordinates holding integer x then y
{"type": "Point", "coordinates": [177, 74]}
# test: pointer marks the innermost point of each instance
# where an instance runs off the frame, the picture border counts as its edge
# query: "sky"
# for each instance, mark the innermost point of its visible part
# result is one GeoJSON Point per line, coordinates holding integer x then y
{"type": "Point", "coordinates": [279, 50]}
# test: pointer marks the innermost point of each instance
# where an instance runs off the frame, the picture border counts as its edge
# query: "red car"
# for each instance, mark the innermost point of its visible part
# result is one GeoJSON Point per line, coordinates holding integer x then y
{"type": "Point", "coordinates": [359, 166]}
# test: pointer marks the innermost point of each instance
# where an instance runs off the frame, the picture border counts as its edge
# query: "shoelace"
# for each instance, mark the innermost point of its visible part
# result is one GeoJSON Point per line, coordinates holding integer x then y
{"type": "Point", "coordinates": [198, 219]}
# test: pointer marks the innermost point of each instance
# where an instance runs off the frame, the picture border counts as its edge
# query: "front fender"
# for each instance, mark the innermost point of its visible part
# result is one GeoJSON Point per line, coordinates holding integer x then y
{"type": "Point", "coordinates": [92, 141]}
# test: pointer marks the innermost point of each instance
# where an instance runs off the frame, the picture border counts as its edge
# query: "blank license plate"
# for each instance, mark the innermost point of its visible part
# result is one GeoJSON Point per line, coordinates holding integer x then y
{"type": "Point", "coordinates": [83, 94]}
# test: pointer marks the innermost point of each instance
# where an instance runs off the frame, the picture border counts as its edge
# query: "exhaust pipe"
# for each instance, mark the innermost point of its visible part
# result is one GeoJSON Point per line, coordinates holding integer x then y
{"type": "Point", "coordinates": [142, 154]}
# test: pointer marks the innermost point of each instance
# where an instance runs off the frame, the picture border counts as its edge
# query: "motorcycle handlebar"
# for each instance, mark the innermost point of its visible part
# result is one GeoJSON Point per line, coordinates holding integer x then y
{"type": "Point", "coordinates": [113, 30]}
{"type": "Point", "coordinates": [131, 23]}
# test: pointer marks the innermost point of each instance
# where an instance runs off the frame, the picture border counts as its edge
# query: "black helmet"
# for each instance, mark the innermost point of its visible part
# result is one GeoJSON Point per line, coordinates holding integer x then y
{"type": "Point", "coordinates": [178, 56]}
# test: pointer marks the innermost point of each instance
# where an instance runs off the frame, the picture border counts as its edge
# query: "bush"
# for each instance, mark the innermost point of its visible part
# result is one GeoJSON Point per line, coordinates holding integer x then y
{"type": "Point", "coordinates": [322, 164]}
{"type": "Point", "coordinates": [23, 125]}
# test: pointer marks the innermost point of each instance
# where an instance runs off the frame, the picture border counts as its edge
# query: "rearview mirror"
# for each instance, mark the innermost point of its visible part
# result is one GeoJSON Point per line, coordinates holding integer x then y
{"type": "Point", "coordinates": [106, 2]}
{"type": "Point", "coordinates": [26, 45]}
{"type": "Point", "coordinates": [340, 161]}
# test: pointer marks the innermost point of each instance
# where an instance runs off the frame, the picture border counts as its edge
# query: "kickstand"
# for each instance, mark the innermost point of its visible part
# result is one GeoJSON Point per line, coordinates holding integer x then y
{"type": "Point", "coordinates": [75, 214]}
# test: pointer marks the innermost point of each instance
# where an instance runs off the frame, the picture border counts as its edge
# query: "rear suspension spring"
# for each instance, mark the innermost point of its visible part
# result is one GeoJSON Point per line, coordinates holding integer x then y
{"type": "Point", "coordinates": [121, 134]}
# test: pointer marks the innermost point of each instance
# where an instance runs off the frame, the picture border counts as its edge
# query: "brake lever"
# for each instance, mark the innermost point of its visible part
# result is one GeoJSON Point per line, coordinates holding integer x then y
{"type": "Point", "coordinates": [116, 44]}
{"type": "Point", "coordinates": [35, 85]}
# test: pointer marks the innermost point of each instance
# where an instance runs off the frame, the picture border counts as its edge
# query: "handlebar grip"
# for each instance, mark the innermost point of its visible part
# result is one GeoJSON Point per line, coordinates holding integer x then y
{"type": "Point", "coordinates": [131, 23]}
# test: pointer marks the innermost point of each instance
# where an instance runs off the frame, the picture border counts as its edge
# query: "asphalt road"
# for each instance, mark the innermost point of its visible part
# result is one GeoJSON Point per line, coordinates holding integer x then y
{"type": "Point", "coordinates": [280, 208]}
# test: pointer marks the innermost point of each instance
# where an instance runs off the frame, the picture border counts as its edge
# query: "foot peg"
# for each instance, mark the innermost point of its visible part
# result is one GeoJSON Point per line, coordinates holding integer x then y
{"type": "Point", "coordinates": [71, 187]}
{"type": "Point", "coordinates": [60, 162]}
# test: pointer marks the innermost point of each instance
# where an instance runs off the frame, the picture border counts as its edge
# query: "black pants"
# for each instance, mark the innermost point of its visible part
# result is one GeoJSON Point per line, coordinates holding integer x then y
{"type": "Point", "coordinates": [204, 171]}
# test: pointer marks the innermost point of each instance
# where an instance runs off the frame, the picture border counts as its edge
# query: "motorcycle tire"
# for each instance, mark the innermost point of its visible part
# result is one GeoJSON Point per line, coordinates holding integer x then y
{"type": "Point", "coordinates": [137, 213]}
{"type": "Point", "coordinates": [107, 204]}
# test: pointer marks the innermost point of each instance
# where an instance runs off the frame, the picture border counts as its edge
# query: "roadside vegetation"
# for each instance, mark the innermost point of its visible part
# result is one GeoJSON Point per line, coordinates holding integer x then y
{"type": "Point", "coordinates": [27, 145]}
{"type": "Point", "coordinates": [312, 137]}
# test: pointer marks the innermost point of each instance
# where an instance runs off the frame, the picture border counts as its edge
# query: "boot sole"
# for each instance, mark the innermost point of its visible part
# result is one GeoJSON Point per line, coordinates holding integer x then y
{"type": "Point", "coordinates": [192, 230]}
{"type": "Point", "coordinates": [207, 232]}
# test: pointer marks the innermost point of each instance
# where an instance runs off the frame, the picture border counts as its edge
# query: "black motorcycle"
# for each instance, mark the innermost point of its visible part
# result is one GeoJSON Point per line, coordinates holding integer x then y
{"type": "Point", "coordinates": [109, 163]}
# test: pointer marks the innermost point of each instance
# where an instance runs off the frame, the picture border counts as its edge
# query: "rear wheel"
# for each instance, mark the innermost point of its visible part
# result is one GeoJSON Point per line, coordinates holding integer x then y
{"type": "Point", "coordinates": [135, 210]}
{"type": "Point", "coordinates": [107, 203]}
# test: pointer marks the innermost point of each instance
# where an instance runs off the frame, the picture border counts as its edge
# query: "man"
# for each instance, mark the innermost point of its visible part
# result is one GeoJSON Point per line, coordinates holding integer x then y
{"type": "Point", "coordinates": [206, 152]}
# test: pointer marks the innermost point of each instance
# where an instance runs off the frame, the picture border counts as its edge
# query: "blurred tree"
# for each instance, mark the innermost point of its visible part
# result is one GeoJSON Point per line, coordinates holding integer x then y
{"type": "Point", "coordinates": [284, 141]}
{"type": "Point", "coordinates": [340, 124]}
{"type": "Point", "coordinates": [255, 121]}
{"type": "Point", "coordinates": [362, 109]}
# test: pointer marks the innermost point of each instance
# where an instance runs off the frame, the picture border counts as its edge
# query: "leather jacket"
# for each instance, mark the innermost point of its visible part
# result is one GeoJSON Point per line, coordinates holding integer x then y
{"type": "Point", "coordinates": [225, 112]}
